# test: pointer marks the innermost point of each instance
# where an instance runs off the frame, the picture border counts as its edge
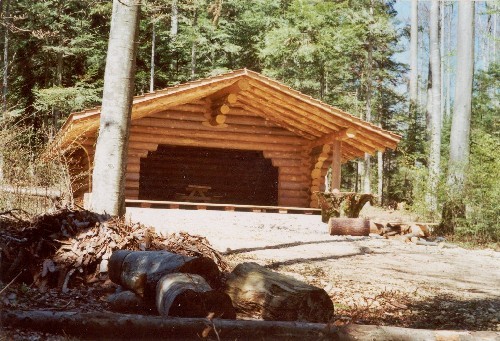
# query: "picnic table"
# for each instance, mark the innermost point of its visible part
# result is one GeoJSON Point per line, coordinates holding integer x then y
{"type": "Point", "coordinates": [198, 193]}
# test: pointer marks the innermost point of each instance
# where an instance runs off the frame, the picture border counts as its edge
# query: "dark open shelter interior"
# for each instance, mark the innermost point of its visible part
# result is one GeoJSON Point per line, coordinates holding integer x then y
{"type": "Point", "coordinates": [230, 176]}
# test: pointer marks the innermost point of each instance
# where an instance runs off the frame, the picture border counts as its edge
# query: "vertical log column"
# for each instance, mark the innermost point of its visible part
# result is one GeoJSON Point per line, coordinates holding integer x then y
{"type": "Point", "coordinates": [342, 135]}
{"type": "Point", "coordinates": [328, 147]}
{"type": "Point", "coordinates": [319, 169]}
{"type": "Point", "coordinates": [336, 165]}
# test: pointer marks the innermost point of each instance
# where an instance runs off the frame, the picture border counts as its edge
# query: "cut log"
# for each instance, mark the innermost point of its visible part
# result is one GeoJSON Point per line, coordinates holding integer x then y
{"type": "Point", "coordinates": [140, 271]}
{"type": "Point", "coordinates": [259, 292]}
{"type": "Point", "coordinates": [113, 325]}
{"type": "Point", "coordinates": [349, 226]}
{"type": "Point", "coordinates": [98, 325]}
{"type": "Point", "coordinates": [188, 295]}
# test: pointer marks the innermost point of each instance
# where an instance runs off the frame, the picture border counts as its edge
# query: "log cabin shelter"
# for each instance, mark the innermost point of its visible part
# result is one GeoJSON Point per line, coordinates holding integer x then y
{"type": "Point", "coordinates": [237, 138]}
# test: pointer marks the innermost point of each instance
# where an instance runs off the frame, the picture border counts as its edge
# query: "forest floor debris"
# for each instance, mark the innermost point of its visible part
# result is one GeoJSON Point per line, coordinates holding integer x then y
{"type": "Point", "coordinates": [370, 280]}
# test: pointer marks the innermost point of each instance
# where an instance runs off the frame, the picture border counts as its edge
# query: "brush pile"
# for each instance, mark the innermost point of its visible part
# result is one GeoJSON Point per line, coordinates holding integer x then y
{"type": "Point", "coordinates": [67, 247]}
{"type": "Point", "coordinates": [414, 232]}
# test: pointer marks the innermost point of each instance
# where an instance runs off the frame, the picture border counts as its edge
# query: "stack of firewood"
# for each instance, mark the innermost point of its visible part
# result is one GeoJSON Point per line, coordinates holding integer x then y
{"type": "Point", "coordinates": [410, 232]}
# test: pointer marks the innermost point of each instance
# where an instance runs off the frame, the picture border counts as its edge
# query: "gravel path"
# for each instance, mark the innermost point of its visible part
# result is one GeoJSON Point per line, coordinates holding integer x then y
{"type": "Point", "coordinates": [355, 271]}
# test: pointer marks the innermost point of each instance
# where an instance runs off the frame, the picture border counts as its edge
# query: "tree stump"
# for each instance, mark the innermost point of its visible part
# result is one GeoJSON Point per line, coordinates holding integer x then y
{"type": "Point", "coordinates": [262, 293]}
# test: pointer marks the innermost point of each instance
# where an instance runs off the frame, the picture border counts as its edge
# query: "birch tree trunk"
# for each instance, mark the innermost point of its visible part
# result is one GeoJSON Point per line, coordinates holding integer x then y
{"type": "Point", "coordinates": [428, 107]}
{"type": "Point", "coordinates": [174, 19]}
{"type": "Point", "coordinates": [460, 128]}
{"type": "Point", "coordinates": [193, 46]}
{"type": "Point", "coordinates": [174, 27]}
{"type": "Point", "coordinates": [108, 181]}
{"type": "Point", "coordinates": [448, 71]}
{"type": "Point", "coordinates": [367, 173]}
{"type": "Point", "coordinates": [152, 69]}
{"type": "Point", "coordinates": [5, 84]}
{"type": "Point", "coordinates": [414, 55]}
{"type": "Point", "coordinates": [435, 114]}
{"type": "Point", "coordinates": [414, 80]}
{"type": "Point", "coordinates": [441, 52]}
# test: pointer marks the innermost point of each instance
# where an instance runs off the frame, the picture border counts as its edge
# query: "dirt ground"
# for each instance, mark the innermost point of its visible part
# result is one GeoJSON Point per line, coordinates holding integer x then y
{"type": "Point", "coordinates": [371, 280]}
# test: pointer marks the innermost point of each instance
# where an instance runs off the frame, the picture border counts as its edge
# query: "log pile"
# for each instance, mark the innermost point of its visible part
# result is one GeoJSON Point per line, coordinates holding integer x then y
{"type": "Point", "coordinates": [178, 285]}
{"type": "Point", "coordinates": [174, 275]}
{"type": "Point", "coordinates": [411, 232]}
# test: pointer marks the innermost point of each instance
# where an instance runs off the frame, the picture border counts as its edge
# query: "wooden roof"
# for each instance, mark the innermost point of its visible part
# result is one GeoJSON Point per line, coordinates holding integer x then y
{"type": "Point", "coordinates": [303, 115]}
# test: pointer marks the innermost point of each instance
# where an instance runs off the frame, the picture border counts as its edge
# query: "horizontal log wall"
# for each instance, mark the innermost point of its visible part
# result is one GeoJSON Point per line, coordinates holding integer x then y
{"type": "Point", "coordinates": [243, 130]}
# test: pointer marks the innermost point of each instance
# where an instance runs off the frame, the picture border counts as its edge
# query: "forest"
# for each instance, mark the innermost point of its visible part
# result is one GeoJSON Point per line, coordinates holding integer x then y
{"type": "Point", "coordinates": [367, 57]}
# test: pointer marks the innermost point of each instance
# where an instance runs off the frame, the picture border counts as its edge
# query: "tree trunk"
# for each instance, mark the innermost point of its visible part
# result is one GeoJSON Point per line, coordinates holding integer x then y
{"type": "Point", "coordinates": [495, 40]}
{"type": "Point", "coordinates": [5, 85]}
{"type": "Point", "coordinates": [259, 292]}
{"type": "Point", "coordinates": [113, 325]}
{"type": "Point", "coordinates": [152, 69]}
{"type": "Point", "coordinates": [414, 80]}
{"type": "Point", "coordinates": [380, 173]}
{"type": "Point", "coordinates": [193, 47]}
{"type": "Point", "coordinates": [368, 118]}
{"type": "Point", "coordinates": [428, 107]}
{"type": "Point", "coordinates": [55, 112]}
{"type": "Point", "coordinates": [414, 55]}
{"type": "Point", "coordinates": [441, 52]}
{"type": "Point", "coordinates": [108, 180]}
{"type": "Point", "coordinates": [435, 117]}
{"type": "Point", "coordinates": [174, 19]}
{"type": "Point", "coordinates": [448, 72]}
{"type": "Point", "coordinates": [460, 128]}
{"type": "Point", "coordinates": [359, 175]}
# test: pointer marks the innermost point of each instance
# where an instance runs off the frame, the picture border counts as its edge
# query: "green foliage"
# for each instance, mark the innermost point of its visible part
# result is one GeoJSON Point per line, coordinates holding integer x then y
{"type": "Point", "coordinates": [67, 99]}
{"type": "Point", "coordinates": [486, 101]}
{"type": "Point", "coordinates": [482, 190]}
{"type": "Point", "coordinates": [481, 211]}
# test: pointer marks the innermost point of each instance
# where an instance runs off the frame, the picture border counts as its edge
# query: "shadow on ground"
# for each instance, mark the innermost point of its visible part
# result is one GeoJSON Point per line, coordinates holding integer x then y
{"type": "Point", "coordinates": [439, 312]}
{"type": "Point", "coordinates": [287, 245]}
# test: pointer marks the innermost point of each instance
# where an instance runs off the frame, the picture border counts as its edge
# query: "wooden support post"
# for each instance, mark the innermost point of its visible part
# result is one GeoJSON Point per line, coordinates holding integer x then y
{"type": "Point", "coordinates": [336, 164]}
